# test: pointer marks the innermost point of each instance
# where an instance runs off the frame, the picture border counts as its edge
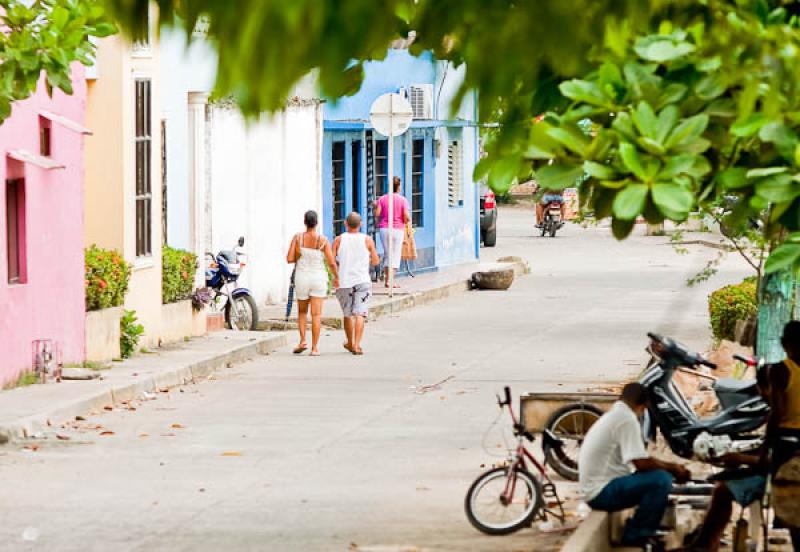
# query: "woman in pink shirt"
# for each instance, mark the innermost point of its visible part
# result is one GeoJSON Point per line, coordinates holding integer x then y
{"type": "Point", "coordinates": [394, 231]}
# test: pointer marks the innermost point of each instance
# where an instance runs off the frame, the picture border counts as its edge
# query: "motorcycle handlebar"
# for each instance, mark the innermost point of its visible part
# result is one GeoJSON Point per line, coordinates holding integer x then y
{"type": "Point", "coordinates": [708, 363]}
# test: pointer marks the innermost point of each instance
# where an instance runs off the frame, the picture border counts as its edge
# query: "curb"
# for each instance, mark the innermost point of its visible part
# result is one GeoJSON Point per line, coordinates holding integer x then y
{"type": "Point", "coordinates": [114, 395]}
{"type": "Point", "coordinates": [405, 302]}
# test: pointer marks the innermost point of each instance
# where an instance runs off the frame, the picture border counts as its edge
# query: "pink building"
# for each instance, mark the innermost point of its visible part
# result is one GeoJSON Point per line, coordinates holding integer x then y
{"type": "Point", "coordinates": [41, 227]}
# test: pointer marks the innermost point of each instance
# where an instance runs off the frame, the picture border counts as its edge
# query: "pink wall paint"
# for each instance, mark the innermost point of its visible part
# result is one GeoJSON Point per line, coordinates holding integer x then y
{"type": "Point", "coordinates": [50, 305]}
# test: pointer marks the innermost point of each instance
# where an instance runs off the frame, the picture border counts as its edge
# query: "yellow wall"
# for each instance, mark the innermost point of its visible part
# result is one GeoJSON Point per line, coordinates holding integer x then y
{"type": "Point", "coordinates": [110, 172]}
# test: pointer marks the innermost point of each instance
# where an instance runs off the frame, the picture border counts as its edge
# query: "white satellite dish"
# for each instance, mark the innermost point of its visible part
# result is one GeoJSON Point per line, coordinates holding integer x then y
{"type": "Point", "coordinates": [391, 114]}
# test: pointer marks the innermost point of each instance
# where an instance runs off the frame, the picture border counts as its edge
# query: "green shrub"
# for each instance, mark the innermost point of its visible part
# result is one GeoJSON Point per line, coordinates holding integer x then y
{"type": "Point", "coordinates": [729, 304]}
{"type": "Point", "coordinates": [106, 279]}
{"type": "Point", "coordinates": [177, 274]}
{"type": "Point", "coordinates": [130, 332]}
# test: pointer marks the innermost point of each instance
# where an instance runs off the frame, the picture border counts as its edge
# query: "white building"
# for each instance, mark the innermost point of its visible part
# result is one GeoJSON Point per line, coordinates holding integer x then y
{"type": "Point", "coordinates": [226, 177]}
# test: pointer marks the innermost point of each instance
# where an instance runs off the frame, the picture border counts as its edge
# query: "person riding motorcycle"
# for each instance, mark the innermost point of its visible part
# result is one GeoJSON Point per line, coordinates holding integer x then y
{"type": "Point", "coordinates": [548, 197]}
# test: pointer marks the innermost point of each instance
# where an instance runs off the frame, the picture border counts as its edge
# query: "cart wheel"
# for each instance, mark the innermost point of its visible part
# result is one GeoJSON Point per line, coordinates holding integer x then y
{"type": "Point", "coordinates": [570, 424]}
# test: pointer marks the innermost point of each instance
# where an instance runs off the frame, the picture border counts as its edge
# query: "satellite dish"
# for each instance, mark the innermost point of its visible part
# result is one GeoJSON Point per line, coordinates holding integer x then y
{"type": "Point", "coordinates": [391, 114]}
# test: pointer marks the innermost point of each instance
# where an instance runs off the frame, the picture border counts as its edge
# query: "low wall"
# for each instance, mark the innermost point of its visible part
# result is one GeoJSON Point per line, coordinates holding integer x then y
{"type": "Point", "coordinates": [177, 321]}
{"type": "Point", "coordinates": [199, 322]}
{"type": "Point", "coordinates": [102, 334]}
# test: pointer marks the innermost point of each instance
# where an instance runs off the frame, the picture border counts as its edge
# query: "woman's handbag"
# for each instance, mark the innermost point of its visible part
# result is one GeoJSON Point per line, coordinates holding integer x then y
{"type": "Point", "coordinates": [409, 251]}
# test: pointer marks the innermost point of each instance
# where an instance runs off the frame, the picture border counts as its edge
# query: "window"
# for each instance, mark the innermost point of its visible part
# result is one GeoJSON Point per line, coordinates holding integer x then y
{"type": "Point", "coordinates": [455, 189]}
{"type": "Point", "coordinates": [141, 44]}
{"type": "Point", "coordinates": [417, 181]}
{"type": "Point", "coordinates": [355, 181]}
{"type": "Point", "coordinates": [15, 230]}
{"type": "Point", "coordinates": [381, 166]}
{"type": "Point", "coordinates": [338, 188]}
{"type": "Point", "coordinates": [45, 137]}
{"type": "Point", "coordinates": [144, 195]}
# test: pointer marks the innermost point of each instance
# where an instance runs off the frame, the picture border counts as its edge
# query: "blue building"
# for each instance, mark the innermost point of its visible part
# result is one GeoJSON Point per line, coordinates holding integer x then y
{"type": "Point", "coordinates": [434, 158]}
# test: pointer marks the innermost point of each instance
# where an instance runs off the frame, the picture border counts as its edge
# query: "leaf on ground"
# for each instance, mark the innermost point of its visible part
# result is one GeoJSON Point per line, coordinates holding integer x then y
{"type": "Point", "coordinates": [108, 408]}
{"type": "Point", "coordinates": [63, 437]}
{"type": "Point", "coordinates": [178, 426]}
{"type": "Point", "coordinates": [168, 435]}
{"type": "Point", "coordinates": [231, 453]}
{"type": "Point", "coordinates": [144, 434]}
{"type": "Point", "coordinates": [80, 418]}
{"type": "Point", "coordinates": [107, 432]}
{"type": "Point", "coordinates": [31, 447]}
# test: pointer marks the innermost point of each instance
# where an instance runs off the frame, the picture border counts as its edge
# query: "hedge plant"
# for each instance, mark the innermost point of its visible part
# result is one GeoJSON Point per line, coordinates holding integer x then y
{"type": "Point", "coordinates": [106, 278]}
{"type": "Point", "coordinates": [729, 304]}
{"type": "Point", "coordinates": [177, 274]}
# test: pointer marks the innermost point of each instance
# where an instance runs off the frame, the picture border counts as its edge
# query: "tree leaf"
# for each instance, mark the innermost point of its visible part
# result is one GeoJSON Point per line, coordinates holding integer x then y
{"type": "Point", "coordinates": [622, 228]}
{"type": "Point", "coordinates": [749, 126]}
{"type": "Point", "coordinates": [598, 170]}
{"type": "Point", "coordinates": [672, 199]}
{"type": "Point", "coordinates": [766, 171]}
{"type": "Point", "coordinates": [782, 258]}
{"type": "Point", "coordinates": [503, 173]}
{"type": "Point", "coordinates": [667, 120]}
{"type": "Point", "coordinates": [584, 91]}
{"type": "Point", "coordinates": [629, 203]}
{"type": "Point", "coordinates": [630, 158]}
{"type": "Point", "coordinates": [558, 176]}
{"type": "Point", "coordinates": [677, 165]}
{"type": "Point", "coordinates": [662, 48]}
{"type": "Point", "coordinates": [777, 188]}
{"type": "Point", "coordinates": [710, 87]}
{"type": "Point", "coordinates": [645, 120]}
{"type": "Point", "coordinates": [572, 138]}
{"type": "Point", "coordinates": [687, 130]}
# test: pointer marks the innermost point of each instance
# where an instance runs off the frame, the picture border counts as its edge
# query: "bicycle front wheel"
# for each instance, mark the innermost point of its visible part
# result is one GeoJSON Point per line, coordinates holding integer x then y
{"type": "Point", "coordinates": [502, 501]}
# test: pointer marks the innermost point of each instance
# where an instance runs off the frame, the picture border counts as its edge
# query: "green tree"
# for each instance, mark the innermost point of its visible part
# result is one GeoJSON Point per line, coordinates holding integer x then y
{"type": "Point", "coordinates": [45, 37]}
{"type": "Point", "coordinates": [690, 100]}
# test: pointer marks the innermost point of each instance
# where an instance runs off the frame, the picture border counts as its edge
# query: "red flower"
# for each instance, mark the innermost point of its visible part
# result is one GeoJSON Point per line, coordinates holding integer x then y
{"type": "Point", "coordinates": [102, 283]}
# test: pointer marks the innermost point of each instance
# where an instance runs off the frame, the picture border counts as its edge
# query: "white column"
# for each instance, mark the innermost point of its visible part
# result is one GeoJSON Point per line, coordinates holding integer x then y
{"type": "Point", "coordinates": [198, 196]}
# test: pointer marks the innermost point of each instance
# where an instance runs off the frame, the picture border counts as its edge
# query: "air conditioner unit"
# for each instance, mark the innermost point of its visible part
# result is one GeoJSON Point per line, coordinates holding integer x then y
{"type": "Point", "coordinates": [420, 96]}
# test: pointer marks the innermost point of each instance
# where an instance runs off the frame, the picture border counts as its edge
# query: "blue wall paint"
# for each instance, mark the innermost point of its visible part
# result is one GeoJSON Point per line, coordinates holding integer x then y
{"type": "Point", "coordinates": [398, 69]}
{"type": "Point", "coordinates": [448, 235]}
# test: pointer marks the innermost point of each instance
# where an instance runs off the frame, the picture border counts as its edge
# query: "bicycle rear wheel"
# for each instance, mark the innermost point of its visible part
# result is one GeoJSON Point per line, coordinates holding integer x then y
{"type": "Point", "coordinates": [491, 511]}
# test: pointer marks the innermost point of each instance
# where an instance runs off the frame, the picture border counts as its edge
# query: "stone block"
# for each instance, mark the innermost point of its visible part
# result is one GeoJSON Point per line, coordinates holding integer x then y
{"type": "Point", "coordinates": [102, 334]}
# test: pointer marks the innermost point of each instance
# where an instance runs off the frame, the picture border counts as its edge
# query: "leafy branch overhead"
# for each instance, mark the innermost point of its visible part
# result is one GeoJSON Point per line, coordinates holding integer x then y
{"type": "Point", "coordinates": [701, 106]}
{"type": "Point", "coordinates": [686, 101]}
{"type": "Point", "coordinates": [45, 36]}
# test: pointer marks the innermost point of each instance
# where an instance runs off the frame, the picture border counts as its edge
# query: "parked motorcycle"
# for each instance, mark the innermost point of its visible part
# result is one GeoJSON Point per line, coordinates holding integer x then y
{"type": "Point", "coordinates": [241, 311]}
{"type": "Point", "coordinates": [552, 219]}
{"type": "Point", "coordinates": [742, 411]}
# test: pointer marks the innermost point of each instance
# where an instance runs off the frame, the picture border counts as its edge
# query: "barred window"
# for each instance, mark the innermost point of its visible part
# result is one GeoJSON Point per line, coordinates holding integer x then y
{"type": "Point", "coordinates": [144, 189]}
{"type": "Point", "coordinates": [417, 182]}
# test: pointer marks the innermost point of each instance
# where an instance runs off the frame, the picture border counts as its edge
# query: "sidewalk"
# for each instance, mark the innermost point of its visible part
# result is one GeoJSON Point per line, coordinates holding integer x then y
{"type": "Point", "coordinates": [27, 411]}
{"type": "Point", "coordinates": [415, 291]}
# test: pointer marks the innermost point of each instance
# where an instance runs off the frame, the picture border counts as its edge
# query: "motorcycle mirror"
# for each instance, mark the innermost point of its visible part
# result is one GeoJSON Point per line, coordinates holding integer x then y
{"type": "Point", "coordinates": [241, 241]}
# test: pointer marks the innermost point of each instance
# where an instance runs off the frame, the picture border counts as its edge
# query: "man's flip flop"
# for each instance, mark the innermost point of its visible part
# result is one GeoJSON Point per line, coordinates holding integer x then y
{"type": "Point", "coordinates": [348, 347]}
{"type": "Point", "coordinates": [358, 352]}
{"type": "Point", "coordinates": [299, 349]}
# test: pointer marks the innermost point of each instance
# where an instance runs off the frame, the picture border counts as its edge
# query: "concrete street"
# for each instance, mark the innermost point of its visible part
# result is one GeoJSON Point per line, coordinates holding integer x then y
{"type": "Point", "coordinates": [339, 452]}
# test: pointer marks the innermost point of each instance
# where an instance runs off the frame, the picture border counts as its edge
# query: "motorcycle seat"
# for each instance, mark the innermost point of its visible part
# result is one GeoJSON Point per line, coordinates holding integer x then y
{"type": "Point", "coordinates": [733, 385]}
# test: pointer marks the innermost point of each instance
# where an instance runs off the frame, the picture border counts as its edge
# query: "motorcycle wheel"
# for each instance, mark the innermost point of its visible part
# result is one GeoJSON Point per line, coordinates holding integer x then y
{"type": "Point", "coordinates": [248, 313]}
{"type": "Point", "coordinates": [545, 225]}
{"type": "Point", "coordinates": [553, 228]}
{"type": "Point", "coordinates": [570, 424]}
{"type": "Point", "coordinates": [489, 514]}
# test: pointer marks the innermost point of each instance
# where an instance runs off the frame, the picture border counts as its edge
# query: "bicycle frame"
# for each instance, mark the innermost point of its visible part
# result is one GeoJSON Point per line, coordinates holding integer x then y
{"type": "Point", "coordinates": [520, 460]}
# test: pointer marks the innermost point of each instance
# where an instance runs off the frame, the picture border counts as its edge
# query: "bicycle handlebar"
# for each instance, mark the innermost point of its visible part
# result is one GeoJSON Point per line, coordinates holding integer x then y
{"type": "Point", "coordinates": [507, 390]}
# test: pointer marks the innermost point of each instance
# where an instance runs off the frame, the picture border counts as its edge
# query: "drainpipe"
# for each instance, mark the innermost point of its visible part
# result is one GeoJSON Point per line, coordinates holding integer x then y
{"type": "Point", "coordinates": [476, 203]}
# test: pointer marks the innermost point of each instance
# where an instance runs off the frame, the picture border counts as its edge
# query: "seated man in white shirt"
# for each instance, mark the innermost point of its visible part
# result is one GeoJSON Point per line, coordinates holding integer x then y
{"type": "Point", "coordinates": [615, 471]}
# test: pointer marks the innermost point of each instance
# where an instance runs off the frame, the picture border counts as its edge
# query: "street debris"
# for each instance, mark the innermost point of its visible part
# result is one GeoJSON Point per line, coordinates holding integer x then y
{"type": "Point", "coordinates": [30, 534]}
{"type": "Point", "coordinates": [422, 389]}
{"type": "Point", "coordinates": [107, 432]}
{"type": "Point", "coordinates": [177, 426]}
{"type": "Point", "coordinates": [232, 453]}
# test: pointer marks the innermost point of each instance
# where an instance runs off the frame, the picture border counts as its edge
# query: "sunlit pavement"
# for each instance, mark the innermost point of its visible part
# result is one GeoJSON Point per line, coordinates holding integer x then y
{"type": "Point", "coordinates": [342, 452]}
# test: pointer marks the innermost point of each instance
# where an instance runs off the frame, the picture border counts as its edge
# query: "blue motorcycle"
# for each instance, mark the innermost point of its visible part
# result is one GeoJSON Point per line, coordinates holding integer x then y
{"type": "Point", "coordinates": [241, 312]}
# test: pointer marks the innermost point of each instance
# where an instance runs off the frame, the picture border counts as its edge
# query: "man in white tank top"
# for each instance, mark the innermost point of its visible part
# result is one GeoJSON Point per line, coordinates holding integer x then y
{"type": "Point", "coordinates": [354, 253]}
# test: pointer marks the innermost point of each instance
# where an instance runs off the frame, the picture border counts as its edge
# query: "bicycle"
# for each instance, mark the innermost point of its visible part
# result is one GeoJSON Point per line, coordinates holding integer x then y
{"type": "Point", "coordinates": [512, 488]}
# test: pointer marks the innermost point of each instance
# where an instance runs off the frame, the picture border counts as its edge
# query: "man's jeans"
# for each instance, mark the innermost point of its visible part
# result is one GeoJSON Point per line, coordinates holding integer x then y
{"type": "Point", "coordinates": [646, 490]}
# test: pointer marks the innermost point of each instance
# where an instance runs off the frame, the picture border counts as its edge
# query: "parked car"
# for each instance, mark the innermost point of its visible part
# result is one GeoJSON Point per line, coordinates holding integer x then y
{"type": "Point", "coordinates": [488, 217]}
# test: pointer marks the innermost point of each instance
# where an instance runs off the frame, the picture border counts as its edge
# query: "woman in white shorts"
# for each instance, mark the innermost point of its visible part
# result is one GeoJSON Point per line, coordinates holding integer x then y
{"type": "Point", "coordinates": [394, 231]}
{"type": "Point", "coordinates": [311, 252]}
